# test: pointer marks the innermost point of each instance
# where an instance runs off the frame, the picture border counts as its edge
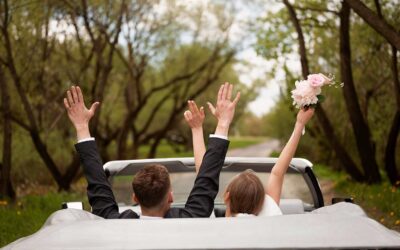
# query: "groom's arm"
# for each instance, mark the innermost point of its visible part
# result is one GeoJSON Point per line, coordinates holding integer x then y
{"type": "Point", "coordinates": [99, 191]}
{"type": "Point", "coordinates": [201, 199]}
{"type": "Point", "coordinates": [100, 194]}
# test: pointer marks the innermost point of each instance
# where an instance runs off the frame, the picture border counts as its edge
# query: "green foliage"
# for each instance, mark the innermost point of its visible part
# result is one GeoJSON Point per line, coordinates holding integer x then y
{"type": "Point", "coordinates": [380, 201]}
{"type": "Point", "coordinates": [371, 61]}
{"type": "Point", "coordinates": [250, 125]}
{"type": "Point", "coordinates": [280, 121]}
{"type": "Point", "coordinates": [274, 154]}
{"type": "Point", "coordinates": [248, 94]}
{"type": "Point", "coordinates": [241, 142]}
{"type": "Point", "coordinates": [166, 150]}
{"type": "Point", "coordinates": [56, 44]}
{"type": "Point", "coordinates": [29, 213]}
{"type": "Point", "coordinates": [273, 41]}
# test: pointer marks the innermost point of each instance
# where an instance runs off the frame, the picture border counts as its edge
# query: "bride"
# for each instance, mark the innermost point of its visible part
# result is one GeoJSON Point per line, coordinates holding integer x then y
{"type": "Point", "coordinates": [245, 194]}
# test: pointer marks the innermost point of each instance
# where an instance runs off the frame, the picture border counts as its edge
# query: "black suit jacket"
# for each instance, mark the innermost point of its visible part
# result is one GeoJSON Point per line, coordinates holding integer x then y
{"type": "Point", "coordinates": [199, 204]}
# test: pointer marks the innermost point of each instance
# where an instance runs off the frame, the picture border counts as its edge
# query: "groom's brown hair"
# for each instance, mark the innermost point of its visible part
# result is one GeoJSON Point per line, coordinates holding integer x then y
{"type": "Point", "coordinates": [151, 185]}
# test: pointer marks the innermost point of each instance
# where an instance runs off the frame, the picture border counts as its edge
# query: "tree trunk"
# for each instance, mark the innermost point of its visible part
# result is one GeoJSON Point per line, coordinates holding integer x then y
{"type": "Point", "coordinates": [48, 161]}
{"type": "Point", "coordinates": [72, 171]}
{"type": "Point", "coordinates": [300, 37]}
{"type": "Point", "coordinates": [360, 127]}
{"type": "Point", "coordinates": [341, 153]}
{"type": "Point", "coordinates": [122, 138]}
{"type": "Point", "coordinates": [6, 188]}
{"type": "Point", "coordinates": [378, 24]}
{"type": "Point", "coordinates": [134, 150]}
{"type": "Point", "coordinates": [396, 80]}
{"type": "Point", "coordinates": [347, 163]}
{"type": "Point", "coordinates": [153, 148]}
{"type": "Point", "coordinates": [390, 151]}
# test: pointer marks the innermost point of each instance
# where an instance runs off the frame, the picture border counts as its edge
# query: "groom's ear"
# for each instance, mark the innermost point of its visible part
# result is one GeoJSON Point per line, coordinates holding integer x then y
{"type": "Point", "coordinates": [170, 197]}
{"type": "Point", "coordinates": [135, 199]}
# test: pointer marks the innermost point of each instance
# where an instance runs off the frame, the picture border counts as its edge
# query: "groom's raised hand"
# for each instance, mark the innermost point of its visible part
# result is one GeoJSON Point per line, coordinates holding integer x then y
{"type": "Point", "coordinates": [78, 114]}
{"type": "Point", "coordinates": [224, 109]}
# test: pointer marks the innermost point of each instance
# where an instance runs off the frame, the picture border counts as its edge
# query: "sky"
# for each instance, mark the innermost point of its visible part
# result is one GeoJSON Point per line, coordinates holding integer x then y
{"type": "Point", "coordinates": [255, 66]}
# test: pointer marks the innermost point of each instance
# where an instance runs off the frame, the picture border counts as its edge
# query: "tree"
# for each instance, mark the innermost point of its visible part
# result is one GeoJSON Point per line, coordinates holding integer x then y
{"type": "Point", "coordinates": [173, 92]}
{"type": "Point", "coordinates": [159, 93]}
{"type": "Point", "coordinates": [346, 160]}
{"type": "Point", "coordinates": [32, 125]}
{"type": "Point", "coordinates": [6, 188]}
{"type": "Point", "coordinates": [390, 151]}
{"type": "Point", "coordinates": [360, 127]}
{"type": "Point", "coordinates": [379, 24]}
{"type": "Point", "coordinates": [130, 55]}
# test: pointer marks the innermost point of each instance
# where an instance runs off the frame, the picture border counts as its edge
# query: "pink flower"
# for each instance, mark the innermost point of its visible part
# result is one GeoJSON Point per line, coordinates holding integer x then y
{"type": "Point", "coordinates": [318, 80]}
{"type": "Point", "coordinates": [305, 94]}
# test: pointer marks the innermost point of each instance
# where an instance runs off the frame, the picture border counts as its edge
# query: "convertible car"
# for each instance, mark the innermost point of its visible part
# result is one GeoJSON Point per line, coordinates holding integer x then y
{"type": "Point", "coordinates": [307, 223]}
{"type": "Point", "coordinates": [301, 192]}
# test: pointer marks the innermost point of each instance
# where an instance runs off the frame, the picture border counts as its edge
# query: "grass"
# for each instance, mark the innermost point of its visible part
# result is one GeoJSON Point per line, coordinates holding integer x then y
{"type": "Point", "coordinates": [165, 150]}
{"type": "Point", "coordinates": [29, 213]}
{"type": "Point", "coordinates": [380, 201]}
{"type": "Point", "coordinates": [242, 142]}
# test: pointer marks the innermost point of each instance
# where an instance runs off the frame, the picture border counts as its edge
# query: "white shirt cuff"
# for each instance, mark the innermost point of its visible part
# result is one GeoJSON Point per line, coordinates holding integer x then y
{"type": "Point", "coordinates": [86, 139]}
{"type": "Point", "coordinates": [219, 136]}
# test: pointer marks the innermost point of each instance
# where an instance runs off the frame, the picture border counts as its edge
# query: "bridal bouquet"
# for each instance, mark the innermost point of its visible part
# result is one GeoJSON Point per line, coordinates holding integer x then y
{"type": "Point", "coordinates": [308, 92]}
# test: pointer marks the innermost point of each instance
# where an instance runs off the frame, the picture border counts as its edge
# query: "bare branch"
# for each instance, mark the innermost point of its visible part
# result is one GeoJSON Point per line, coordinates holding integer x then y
{"type": "Point", "coordinates": [377, 23]}
{"type": "Point", "coordinates": [315, 9]}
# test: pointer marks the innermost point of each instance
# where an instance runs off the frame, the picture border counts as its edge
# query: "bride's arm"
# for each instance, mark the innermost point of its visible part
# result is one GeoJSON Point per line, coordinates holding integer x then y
{"type": "Point", "coordinates": [195, 117]}
{"type": "Point", "coordinates": [275, 181]}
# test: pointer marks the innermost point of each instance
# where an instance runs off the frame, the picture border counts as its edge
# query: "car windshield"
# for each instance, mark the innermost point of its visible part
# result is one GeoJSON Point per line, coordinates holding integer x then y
{"type": "Point", "coordinates": [294, 187]}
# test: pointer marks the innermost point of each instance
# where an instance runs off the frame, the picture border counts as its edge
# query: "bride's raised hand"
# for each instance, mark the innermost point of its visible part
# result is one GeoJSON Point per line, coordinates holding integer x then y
{"type": "Point", "coordinates": [304, 115]}
{"type": "Point", "coordinates": [194, 116]}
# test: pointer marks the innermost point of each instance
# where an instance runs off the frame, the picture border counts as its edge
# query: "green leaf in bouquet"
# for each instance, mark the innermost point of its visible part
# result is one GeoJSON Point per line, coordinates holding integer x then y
{"type": "Point", "coordinates": [310, 106]}
{"type": "Point", "coordinates": [321, 98]}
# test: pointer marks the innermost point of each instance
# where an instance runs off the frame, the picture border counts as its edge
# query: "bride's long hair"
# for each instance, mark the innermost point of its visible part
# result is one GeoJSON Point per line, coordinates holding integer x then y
{"type": "Point", "coordinates": [245, 193]}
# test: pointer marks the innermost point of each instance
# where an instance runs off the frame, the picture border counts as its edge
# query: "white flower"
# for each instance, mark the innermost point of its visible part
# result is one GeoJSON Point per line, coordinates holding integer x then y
{"type": "Point", "coordinates": [304, 94]}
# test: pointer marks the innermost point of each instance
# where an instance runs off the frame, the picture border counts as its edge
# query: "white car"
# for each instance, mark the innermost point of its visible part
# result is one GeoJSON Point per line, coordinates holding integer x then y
{"type": "Point", "coordinates": [306, 222]}
{"type": "Point", "coordinates": [301, 191]}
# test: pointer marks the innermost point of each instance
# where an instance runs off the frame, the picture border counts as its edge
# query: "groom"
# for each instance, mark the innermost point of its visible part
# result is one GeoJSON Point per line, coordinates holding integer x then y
{"type": "Point", "coordinates": [151, 185]}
